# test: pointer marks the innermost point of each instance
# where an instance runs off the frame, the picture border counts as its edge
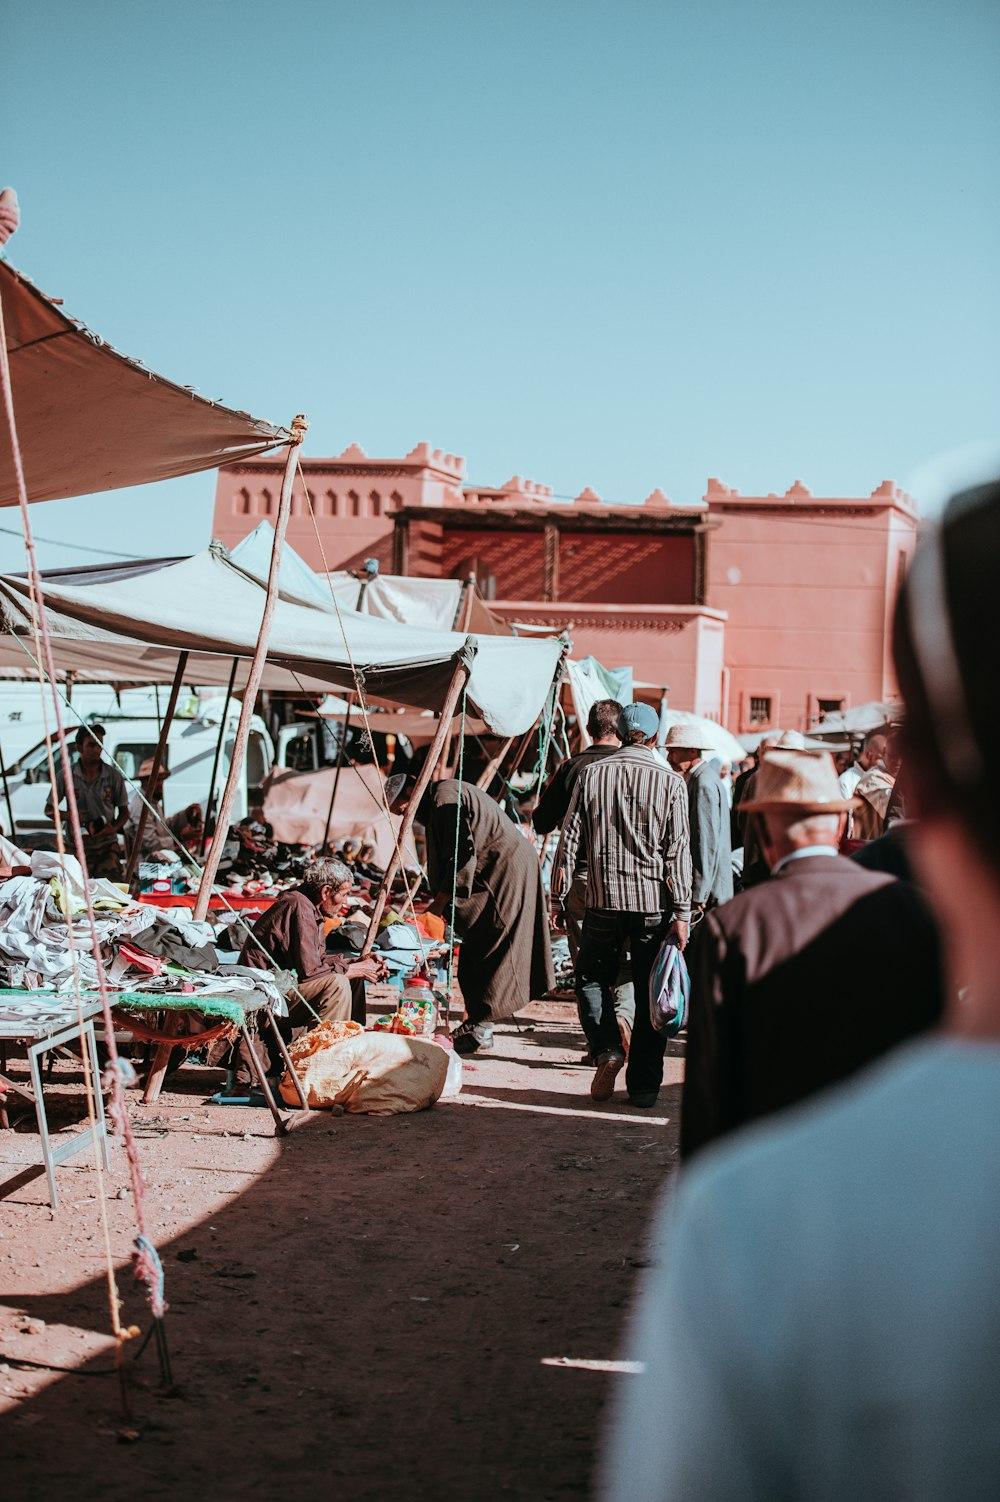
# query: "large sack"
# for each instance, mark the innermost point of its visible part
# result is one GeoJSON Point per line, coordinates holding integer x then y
{"type": "Point", "coordinates": [379, 1073]}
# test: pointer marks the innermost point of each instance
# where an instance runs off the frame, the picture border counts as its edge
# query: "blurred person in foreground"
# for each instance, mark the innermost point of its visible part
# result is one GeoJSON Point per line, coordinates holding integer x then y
{"type": "Point", "coordinates": [809, 976]}
{"type": "Point", "coordinates": [824, 1317]}
{"type": "Point", "coordinates": [628, 824]}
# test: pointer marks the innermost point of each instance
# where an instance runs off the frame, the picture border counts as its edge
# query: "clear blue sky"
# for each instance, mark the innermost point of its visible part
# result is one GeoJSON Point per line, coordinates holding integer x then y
{"type": "Point", "coordinates": [621, 245]}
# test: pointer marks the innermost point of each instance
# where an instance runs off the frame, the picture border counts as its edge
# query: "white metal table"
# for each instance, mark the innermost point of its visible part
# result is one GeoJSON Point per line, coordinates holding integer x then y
{"type": "Point", "coordinates": [44, 1021]}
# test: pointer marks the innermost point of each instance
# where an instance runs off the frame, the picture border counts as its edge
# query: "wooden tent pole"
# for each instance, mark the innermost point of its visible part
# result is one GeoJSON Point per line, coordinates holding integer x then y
{"type": "Point", "coordinates": [458, 682]}
{"type": "Point", "coordinates": [215, 759]}
{"type": "Point", "coordinates": [341, 753]}
{"type": "Point", "coordinates": [463, 616]}
{"type": "Point", "coordinates": [214, 855]}
{"type": "Point", "coordinates": [489, 771]}
{"type": "Point", "coordinates": [6, 794]}
{"type": "Point", "coordinates": [159, 759]}
{"type": "Point", "coordinates": [526, 740]}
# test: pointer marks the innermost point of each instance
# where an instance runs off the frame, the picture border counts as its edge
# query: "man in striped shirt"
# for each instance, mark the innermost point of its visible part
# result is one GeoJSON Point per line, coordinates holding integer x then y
{"type": "Point", "coordinates": [628, 824]}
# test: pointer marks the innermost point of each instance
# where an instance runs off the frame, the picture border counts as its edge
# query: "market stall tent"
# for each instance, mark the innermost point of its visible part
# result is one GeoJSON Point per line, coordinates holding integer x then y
{"type": "Point", "coordinates": [208, 606]}
{"type": "Point", "coordinates": [90, 419]}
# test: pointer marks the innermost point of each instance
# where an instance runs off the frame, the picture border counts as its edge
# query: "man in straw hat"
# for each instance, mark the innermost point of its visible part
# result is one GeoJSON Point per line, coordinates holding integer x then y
{"type": "Point", "coordinates": [708, 818]}
{"type": "Point", "coordinates": [804, 979]}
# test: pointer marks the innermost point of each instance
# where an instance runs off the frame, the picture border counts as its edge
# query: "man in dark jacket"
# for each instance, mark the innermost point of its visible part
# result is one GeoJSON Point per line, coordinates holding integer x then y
{"type": "Point", "coordinates": [554, 800]}
{"type": "Point", "coordinates": [806, 978]}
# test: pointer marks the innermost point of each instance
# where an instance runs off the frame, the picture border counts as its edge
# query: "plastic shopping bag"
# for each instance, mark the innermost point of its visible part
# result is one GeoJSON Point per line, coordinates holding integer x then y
{"type": "Point", "coordinates": [669, 991]}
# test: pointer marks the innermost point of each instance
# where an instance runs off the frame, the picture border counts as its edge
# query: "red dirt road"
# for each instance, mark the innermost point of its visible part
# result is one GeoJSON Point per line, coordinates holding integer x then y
{"type": "Point", "coordinates": [367, 1307]}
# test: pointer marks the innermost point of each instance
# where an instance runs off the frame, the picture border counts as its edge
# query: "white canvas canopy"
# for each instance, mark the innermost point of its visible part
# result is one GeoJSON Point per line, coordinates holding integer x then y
{"type": "Point", "coordinates": [89, 419]}
{"type": "Point", "coordinates": [437, 604]}
{"type": "Point", "coordinates": [208, 606]}
{"type": "Point", "coordinates": [296, 580]}
{"type": "Point", "coordinates": [432, 603]}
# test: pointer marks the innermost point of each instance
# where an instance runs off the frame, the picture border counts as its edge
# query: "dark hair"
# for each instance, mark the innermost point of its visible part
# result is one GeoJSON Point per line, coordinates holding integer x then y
{"type": "Point", "coordinates": [89, 733]}
{"type": "Point", "coordinates": [961, 707]}
{"type": "Point", "coordinates": [636, 738]}
{"type": "Point", "coordinates": [602, 720]}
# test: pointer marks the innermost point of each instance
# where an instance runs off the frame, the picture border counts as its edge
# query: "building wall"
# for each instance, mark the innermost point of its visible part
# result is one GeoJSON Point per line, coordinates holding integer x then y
{"type": "Point", "coordinates": [621, 570]}
{"type": "Point", "coordinates": [676, 648]}
{"type": "Point", "coordinates": [805, 585]}
{"type": "Point", "coordinates": [353, 499]}
{"type": "Point", "coordinates": [808, 586]}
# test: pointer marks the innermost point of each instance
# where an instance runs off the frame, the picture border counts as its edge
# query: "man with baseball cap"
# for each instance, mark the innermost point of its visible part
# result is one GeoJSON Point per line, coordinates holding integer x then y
{"type": "Point", "coordinates": [628, 821]}
{"type": "Point", "coordinates": [803, 980]}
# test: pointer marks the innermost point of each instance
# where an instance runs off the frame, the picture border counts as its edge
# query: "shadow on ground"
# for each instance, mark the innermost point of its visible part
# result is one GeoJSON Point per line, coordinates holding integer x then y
{"type": "Point", "coordinates": [370, 1317]}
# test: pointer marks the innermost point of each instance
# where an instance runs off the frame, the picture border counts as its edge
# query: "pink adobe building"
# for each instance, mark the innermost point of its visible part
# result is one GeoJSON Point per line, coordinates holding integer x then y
{"type": "Point", "coordinates": [756, 611]}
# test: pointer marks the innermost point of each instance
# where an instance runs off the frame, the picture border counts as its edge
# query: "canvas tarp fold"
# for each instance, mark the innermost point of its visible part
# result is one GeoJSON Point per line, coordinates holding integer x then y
{"type": "Point", "coordinates": [206, 604]}
{"type": "Point", "coordinates": [435, 603]}
{"type": "Point", "coordinates": [89, 419]}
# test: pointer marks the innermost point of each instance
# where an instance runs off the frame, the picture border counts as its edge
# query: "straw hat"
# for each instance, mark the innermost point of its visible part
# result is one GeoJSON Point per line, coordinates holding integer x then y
{"type": "Point", "coordinates": [803, 780]}
{"type": "Point", "coordinates": [686, 735]}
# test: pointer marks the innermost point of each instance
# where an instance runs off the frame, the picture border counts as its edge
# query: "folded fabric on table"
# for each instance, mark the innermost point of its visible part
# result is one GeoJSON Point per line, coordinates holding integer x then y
{"type": "Point", "coordinates": [187, 944]}
{"type": "Point", "coordinates": [34, 935]}
{"type": "Point", "coordinates": [223, 1007]}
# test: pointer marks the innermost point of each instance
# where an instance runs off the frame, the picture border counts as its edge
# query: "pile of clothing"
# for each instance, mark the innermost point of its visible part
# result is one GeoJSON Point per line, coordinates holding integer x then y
{"type": "Point", "coordinates": [46, 941]}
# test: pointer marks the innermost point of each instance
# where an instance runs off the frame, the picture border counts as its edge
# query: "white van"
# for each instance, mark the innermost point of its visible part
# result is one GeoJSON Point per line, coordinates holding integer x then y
{"type": "Point", "coordinates": [129, 742]}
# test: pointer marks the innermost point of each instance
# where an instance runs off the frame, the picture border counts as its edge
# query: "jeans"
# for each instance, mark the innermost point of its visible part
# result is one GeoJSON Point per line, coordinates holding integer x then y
{"type": "Point", "coordinates": [606, 936]}
{"type": "Point", "coordinates": [575, 909]}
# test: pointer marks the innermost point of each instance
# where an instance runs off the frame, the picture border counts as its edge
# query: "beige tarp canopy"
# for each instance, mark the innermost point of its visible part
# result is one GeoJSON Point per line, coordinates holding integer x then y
{"type": "Point", "coordinates": [141, 617]}
{"type": "Point", "coordinates": [89, 419]}
{"type": "Point", "coordinates": [297, 806]}
{"type": "Point", "coordinates": [416, 724]}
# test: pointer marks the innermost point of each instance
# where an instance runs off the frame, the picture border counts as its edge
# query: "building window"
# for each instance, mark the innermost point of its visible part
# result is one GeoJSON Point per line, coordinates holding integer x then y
{"type": "Point", "coordinates": [265, 502]}
{"type": "Point", "coordinates": [332, 504]}
{"type": "Point", "coordinates": [829, 706]}
{"type": "Point", "coordinates": [376, 503]}
{"type": "Point", "coordinates": [760, 709]}
{"type": "Point", "coordinates": [395, 499]}
{"type": "Point", "coordinates": [355, 502]}
{"type": "Point", "coordinates": [243, 506]}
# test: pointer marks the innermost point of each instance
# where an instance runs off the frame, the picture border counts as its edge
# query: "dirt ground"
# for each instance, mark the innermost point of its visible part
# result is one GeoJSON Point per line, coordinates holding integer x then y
{"type": "Point", "coordinates": [367, 1307]}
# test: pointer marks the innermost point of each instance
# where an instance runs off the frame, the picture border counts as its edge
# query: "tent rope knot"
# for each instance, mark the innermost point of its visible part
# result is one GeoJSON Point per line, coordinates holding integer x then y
{"type": "Point", "coordinates": [469, 649]}
{"type": "Point", "coordinates": [123, 1069]}
{"type": "Point", "coordinates": [300, 427]}
{"type": "Point", "coordinates": [148, 1269]}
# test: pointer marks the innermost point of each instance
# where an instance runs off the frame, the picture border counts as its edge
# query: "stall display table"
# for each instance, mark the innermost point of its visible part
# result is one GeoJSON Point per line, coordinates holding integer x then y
{"type": "Point", "coordinates": [157, 1017]}
{"type": "Point", "coordinates": [216, 903]}
{"type": "Point", "coordinates": [44, 1021]}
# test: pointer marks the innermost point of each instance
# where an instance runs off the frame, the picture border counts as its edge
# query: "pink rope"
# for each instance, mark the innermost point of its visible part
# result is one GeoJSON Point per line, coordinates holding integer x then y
{"type": "Point", "coordinates": [142, 1261]}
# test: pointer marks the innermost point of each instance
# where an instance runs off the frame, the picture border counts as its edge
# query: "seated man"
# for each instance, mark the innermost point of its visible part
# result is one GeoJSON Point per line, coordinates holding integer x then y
{"type": "Point", "coordinates": [290, 935]}
{"type": "Point", "coordinates": [101, 801]}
